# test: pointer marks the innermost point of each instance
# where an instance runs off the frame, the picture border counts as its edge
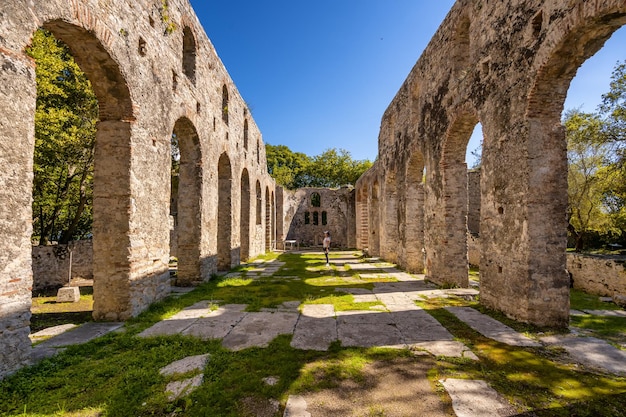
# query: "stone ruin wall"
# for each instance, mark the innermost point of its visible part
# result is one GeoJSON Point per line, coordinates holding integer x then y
{"type": "Point", "coordinates": [506, 65]}
{"type": "Point", "coordinates": [51, 264]}
{"type": "Point", "coordinates": [155, 72]}
{"type": "Point", "coordinates": [338, 204]}
{"type": "Point", "coordinates": [600, 275]}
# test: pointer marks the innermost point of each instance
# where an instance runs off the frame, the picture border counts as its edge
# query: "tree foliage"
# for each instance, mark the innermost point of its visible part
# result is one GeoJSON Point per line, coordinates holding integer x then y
{"type": "Point", "coordinates": [65, 128]}
{"type": "Point", "coordinates": [596, 144]}
{"type": "Point", "coordinates": [332, 168]}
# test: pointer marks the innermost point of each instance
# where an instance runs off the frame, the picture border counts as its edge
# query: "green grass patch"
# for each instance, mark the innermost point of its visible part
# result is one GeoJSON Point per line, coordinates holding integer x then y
{"type": "Point", "coordinates": [580, 300]}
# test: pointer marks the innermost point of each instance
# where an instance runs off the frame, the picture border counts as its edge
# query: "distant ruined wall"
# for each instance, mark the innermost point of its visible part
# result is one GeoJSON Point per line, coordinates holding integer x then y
{"type": "Point", "coordinates": [305, 222]}
{"type": "Point", "coordinates": [601, 275]}
{"type": "Point", "coordinates": [507, 65]}
{"type": "Point", "coordinates": [155, 73]}
{"type": "Point", "coordinates": [51, 264]}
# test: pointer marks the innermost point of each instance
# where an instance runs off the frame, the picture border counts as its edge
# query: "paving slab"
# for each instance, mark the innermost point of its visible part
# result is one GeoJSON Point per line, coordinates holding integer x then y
{"type": "Point", "coordinates": [259, 329]}
{"type": "Point", "coordinates": [215, 326]}
{"type": "Point", "coordinates": [52, 331]}
{"type": "Point", "coordinates": [446, 348]}
{"type": "Point", "coordinates": [592, 352]}
{"type": "Point", "coordinates": [607, 313]}
{"type": "Point", "coordinates": [177, 389]}
{"type": "Point", "coordinates": [316, 328]}
{"type": "Point", "coordinates": [419, 326]}
{"type": "Point", "coordinates": [490, 327]}
{"type": "Point", "coordinates": [81, 334]}
{"type": "Point", "coordinates": [475, 398]}
{"type": "Point", "coordinates": [365, 328]}
{"type": "Point", "coordinates": [188, 364]}
{"type": "Point", "coordinates": [167, 327]}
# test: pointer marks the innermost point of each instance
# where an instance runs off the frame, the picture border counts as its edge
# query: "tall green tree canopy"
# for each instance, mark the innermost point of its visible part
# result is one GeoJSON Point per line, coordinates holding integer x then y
{"type": "Point", "coordinates": [596, 144]}
{"type": "Point", "coordinates": [332, 168]}
{"type": "Point", "coordinates": [65, 128]}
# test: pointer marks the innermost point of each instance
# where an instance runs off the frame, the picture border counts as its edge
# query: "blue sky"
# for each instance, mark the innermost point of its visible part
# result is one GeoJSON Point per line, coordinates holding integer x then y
{"type": "Point", "coordinates": [319, 75]}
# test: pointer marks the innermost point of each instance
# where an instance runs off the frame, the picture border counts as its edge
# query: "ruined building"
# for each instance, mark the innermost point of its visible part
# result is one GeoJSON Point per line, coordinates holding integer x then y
{"type": "Point", "coordinates": [506, 65]}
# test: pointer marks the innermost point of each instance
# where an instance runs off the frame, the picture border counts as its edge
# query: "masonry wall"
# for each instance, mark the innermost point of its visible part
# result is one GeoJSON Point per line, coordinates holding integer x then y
{"type": "Point", "coordinates": [507, 65]}
{"type": "Point", "coordinates": [51, 264]}
{"type": "Point", "coordinates": [155, 73]}
{"type": "Point", "coordinates": [601, 275]}
{"type": "Point", "coordinates": [306, 223]}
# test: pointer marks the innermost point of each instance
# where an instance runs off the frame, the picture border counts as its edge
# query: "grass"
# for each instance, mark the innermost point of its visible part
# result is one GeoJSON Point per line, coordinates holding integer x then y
{"type": "Point", "coordinates": [118, 375]}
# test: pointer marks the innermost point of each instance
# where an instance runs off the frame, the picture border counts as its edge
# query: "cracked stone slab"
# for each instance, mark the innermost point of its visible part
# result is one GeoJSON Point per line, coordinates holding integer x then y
{"type": "Point", "coordinates": [259, 329]}
{"type": "Point", "coordinates": [592, 352]}
{"type": "Point", "coordinates": [446, 348]}
{"type": "Point", "coordinates": [216, 326]}
{"type": "Point", "coordinates": [607, 313]}
{"type": "Point", "coordinates": [177, 389]}
{"type": "Point", "coordinates": [490, 327]}
{"type": "Point", "coordinates": [475, 398]}
{"type": "Point", "coordinates": [167, 327]}
{"type": "Point", "coordinates": [52, 331]}
{"type": "Point", "coordinates": [188, 364]}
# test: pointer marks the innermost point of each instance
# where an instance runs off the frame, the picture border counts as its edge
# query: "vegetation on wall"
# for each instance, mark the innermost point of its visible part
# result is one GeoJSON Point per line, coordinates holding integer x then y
{"type": "Point", "coordinates": [596, 150]}
{"type": "Point", "coordinates": [65, 131]}
{"type": "Point", "coordinates": [332, 168]}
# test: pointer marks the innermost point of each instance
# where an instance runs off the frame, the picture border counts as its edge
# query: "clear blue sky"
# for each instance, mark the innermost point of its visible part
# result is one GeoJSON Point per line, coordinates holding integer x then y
{"type": "Point", "coordinates": [319, 75]}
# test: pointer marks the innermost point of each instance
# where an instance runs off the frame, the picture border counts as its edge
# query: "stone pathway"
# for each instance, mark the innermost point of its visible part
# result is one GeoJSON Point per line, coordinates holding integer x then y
{"type": "Point", "coordinates": [400, 323]}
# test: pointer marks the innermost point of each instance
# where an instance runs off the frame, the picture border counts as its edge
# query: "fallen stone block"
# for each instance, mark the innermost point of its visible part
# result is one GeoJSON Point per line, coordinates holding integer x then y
{"type": "Point", "coordinates": [68, 295]}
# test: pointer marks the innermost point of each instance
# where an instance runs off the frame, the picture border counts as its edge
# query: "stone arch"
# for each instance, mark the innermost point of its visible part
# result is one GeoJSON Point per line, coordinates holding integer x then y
{"type": "Point", "coordinates": [446, 226]}
{"type": "Point", "coordinates": [541, 281]}
{"type": "Point", "coordinates": [189, 54]}
{"type": "Point", "coordinates": [244, 222]}
{"type": "Point", "coordinates": [111, 202]}
{"type": "Point", "coordinates": [224, 214]}
{"type": "Point", "coordinates": [188, 230]}
{"type": "Point", "coordinates": [414, 201]}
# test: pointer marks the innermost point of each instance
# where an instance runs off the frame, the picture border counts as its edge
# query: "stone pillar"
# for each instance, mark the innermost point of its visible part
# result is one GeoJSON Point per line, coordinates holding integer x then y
{"type": "Point", "coordinates": [523, 224]}
{"type": "Point", "coordinates": [414, 227]}
{"type": "Point", "coordinates": [389, 238]}
{"type": "Point", "coordinates": [17, 109]}
{"type": "Point", "coordinates": [112, 206]}
{"type": "Point", "coordinates": [445, 224]}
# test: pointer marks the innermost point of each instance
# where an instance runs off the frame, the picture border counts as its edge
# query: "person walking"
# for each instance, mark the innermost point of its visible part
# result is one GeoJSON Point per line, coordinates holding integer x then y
{"type": "Point", "coordinates": [326, 245]}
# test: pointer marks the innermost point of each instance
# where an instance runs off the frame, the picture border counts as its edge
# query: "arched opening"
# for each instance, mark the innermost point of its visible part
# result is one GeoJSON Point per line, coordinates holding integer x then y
{"type": "Point", "coordinates": [224, 214]}
{"type": "Point", "coordinates": [537, 275]}
{"type": "Point", "coordinates": [244, 221]}
{"type": "Point", "coordinates": [189, 54]}
{"type": "Point", "coordinates": [186, 201]}
{"type": "Point", "coordinates": [316, 200]}
{"type": "Point", "coordinates": [245, 134]}
{"type": "Point", "coordinates": [273, 222]}
{"type": "Point", "coordinates": [446, 228]}
{"type": "Point", "coordinates": [259, 203]}
{"type": "Point", "coordinates": [112, 264]}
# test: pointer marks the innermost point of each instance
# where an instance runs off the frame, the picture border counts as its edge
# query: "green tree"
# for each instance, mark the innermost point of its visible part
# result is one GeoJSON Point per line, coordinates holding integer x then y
{"type": "Point", "coordinates": [587, 154]}
{"type": "Point", "coordinates": [288, 168]}
{"type": "Point", "coordinates": [332, 168]}
{"type": "Point", "coordinates": [65, 127]}
{"type": "Point", "coordinates": [335, 167]}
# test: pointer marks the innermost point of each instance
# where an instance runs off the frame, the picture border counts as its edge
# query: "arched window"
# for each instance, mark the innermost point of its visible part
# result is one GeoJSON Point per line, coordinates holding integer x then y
{"type": "Point", "coordinates": [316, 200]}
{"type": "Point", "coordinates": [245, 134]}
{"type": "Point", "coordinates": [259, 197]}
{"type": "Point", "coordinates": [225, 104]}
{"type": "Point", "coordinates": [189, 54]}
{"type": "Point", "coordinates": [316, 218]}
{"type": "Point", "coordinates": [324, 218]}
{"type": "Point", "coordinates": [307, 217]}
